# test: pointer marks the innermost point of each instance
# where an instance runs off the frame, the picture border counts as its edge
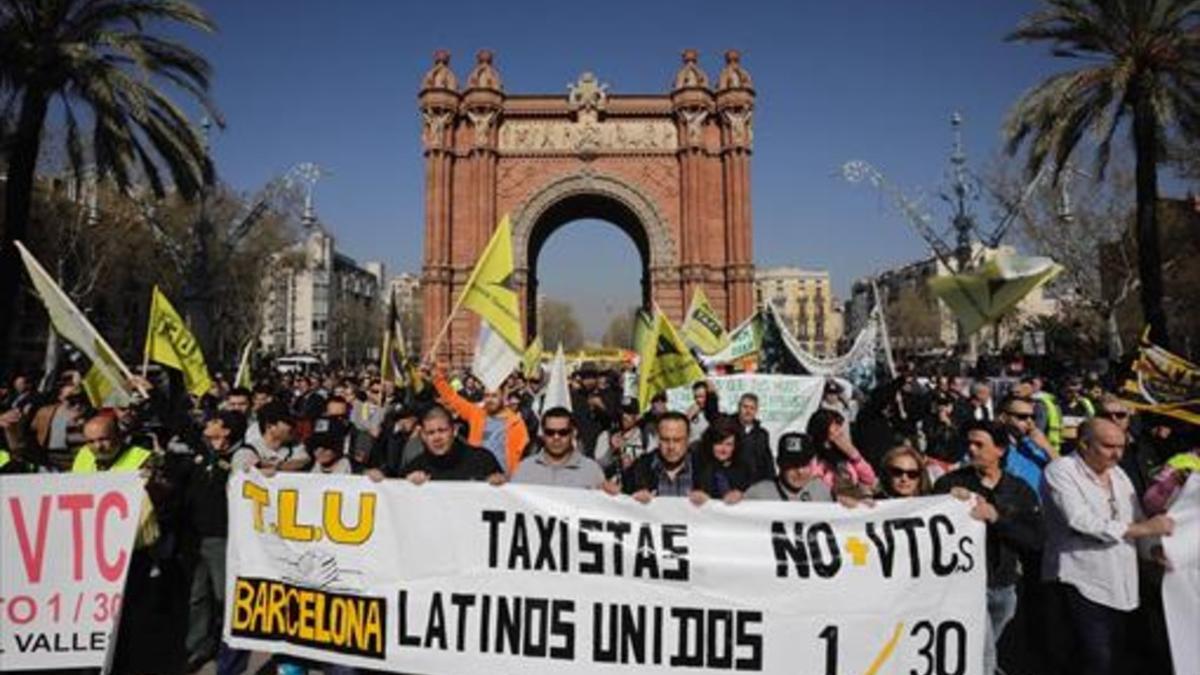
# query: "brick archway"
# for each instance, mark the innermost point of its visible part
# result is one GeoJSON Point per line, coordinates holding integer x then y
{"type": "Point", "coordinates": [601, 197]}
{"type": "Point", "coordinates": [671, 170]}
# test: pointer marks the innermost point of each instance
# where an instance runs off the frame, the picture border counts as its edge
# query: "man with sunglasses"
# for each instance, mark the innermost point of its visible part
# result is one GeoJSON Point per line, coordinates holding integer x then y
{"type": "Point", "coordinates": [559, 462]}
{"type": "Point", "coordinates": [1028, 450]}
{"type": "Point", "coordinates": [1011, 512]}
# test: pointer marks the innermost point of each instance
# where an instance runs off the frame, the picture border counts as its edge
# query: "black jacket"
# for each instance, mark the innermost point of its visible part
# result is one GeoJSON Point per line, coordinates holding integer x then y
{"type": "Point", "coordinates": [1018, 531]}
{"type": "Point", "coordinates": [205, 501]}
{"type": "Point", "coordinates": [716, 481]}
{"type": "Point", "coordinates": [461, 462]}
{"type": "Point", "coordinates": [756, 452]}
{"type": "Point", "coordinates": [644, 474]}
{"type": "Point", "coordinates": [388, 451]}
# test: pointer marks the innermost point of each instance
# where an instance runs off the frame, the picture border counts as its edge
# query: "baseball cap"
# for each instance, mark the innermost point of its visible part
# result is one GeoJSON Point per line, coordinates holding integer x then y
{"type": "Point", "coordinates": [328, 432]}
{"type": "Point", "coordinates": [792, 450]}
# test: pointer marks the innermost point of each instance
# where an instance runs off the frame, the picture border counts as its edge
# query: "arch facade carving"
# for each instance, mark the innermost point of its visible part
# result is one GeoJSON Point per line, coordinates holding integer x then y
{"type": "Point", "coordinates": [671, 170]}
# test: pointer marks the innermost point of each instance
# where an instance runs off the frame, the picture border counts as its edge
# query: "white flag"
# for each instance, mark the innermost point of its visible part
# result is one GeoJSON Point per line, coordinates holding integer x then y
{"type": "Point", "coordinates": [74, 327]}
{"type": "Point", "coordinates": [242, 379]}
{"type": "Point", "coordinates": [494, 358]}
{"type": "Point", "coordinates": [558, 393]}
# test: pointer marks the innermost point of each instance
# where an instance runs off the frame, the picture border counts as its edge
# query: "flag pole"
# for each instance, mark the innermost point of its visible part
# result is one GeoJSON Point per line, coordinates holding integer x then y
{"type": "Point", "coordinates": [149, 334]}
{"type": "Point", "coordinates": [437, 341]}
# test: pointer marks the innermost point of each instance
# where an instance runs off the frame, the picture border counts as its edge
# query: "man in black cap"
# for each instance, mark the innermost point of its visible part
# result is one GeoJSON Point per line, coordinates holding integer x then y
{"type": "Point", "coordinates": [795, 481]}
{"type": "Point", "coordinates": [327, 446]}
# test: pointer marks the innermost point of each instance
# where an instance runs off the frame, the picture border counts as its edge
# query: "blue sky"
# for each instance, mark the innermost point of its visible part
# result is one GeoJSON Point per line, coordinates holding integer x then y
{"type": "Point", "coordinates": [335, 83]}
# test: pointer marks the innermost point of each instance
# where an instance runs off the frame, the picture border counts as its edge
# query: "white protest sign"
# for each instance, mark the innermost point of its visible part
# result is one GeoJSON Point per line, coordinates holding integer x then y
{"type": "Point", "coordinates": [65, 544]}
{"type": "Point", "coordinates": [785, 402]}
{"type": "Point", "coordinates": [473, 579]}
{"type": "Point", "coordinates": [1181, 585]}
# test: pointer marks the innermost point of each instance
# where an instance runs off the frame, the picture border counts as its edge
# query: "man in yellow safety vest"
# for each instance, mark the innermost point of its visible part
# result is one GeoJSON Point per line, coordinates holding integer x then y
{"type": "Point", "coordinates": [105, 450]}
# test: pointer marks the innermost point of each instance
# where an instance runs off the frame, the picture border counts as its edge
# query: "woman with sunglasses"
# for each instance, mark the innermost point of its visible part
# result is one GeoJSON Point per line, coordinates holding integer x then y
{"type": "Point", "coordinates": [904, 473]}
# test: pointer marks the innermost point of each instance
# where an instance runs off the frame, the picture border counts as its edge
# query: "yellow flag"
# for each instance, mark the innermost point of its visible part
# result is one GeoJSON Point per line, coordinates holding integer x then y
{"type": "Point", "coordinates": [702, 325]}
{"type": "Point", "coordinates": [169, 342]}
{"type": "Point", "coordinates": [1163, 382]}
{"type": "Point", "coordinates": [666, 362]}
{"type": "Point", "coordinates": [980, 297]}
{"type": "Point", "coordinates": [487, 292]}
{"type": "Point", "coordinates": [533, 357]}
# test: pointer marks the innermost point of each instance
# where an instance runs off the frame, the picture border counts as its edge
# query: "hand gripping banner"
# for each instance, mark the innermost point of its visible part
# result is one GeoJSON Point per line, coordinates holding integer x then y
{"type": "Point", "coordinates": [469, 578]}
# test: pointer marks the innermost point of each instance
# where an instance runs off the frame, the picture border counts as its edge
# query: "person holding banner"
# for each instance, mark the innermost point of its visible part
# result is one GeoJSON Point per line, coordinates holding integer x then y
{"type": "Point", "coordinates": [722, 472]}
{"type": "Point", "coordinates": [274, 447]}
{"type": "Point", "coordinates": [1094, 527]}
{"type": "Point", "coordinates": [905, 473]}
{"type": "Point", "coordinates": [1013, 517]}
{"type": "Point", "coordinates": [107, 450]}
{"type": "Point", "coordinates": [447, 457]}
{"type": "Point", "coordinates": [327, 445]}
{"type": "Point", "coordinates": [667, 472]}
{"type": "Point", "coordinates": [795, 481]}
{"type": "Point", "coordinates": [559, 462]}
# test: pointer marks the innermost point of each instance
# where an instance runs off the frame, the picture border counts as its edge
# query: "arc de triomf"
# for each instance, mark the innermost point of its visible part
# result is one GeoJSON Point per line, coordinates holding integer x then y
{"type": "Point", "coordinates": [670, 170]}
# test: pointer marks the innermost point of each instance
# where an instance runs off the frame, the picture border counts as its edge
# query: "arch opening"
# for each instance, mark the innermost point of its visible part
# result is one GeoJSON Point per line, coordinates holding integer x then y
{"type": "Point", "coordinates": [572, 209]}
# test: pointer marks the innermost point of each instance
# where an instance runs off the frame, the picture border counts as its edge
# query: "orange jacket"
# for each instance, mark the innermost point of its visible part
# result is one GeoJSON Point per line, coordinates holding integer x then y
{"type": "Point", "coordinates": [516, 436]}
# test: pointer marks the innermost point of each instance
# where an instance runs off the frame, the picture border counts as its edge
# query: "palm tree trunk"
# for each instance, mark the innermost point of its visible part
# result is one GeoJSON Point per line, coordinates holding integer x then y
{"type": "Point", "coordinates": [22, 167]}
{"type": "Point", "coordinates": [1145, 143]}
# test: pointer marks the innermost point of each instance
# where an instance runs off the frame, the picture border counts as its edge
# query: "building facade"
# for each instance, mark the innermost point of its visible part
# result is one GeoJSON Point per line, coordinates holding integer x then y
{"type": "Point", "coordinates": [321, 302]}
{"type": "Point", "coordinates": [803, 299]}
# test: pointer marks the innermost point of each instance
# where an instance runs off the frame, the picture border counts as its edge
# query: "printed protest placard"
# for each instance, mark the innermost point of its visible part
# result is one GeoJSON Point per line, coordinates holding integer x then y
{"type": "Point", "coordinates": [65, 545]}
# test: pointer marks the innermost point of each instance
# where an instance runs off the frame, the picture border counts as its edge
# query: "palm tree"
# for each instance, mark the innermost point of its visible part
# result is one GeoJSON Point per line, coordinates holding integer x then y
{"type": "Point", "coordinates": [1141, 59]}
{"type": "Point", "coordinates": [97, 58]}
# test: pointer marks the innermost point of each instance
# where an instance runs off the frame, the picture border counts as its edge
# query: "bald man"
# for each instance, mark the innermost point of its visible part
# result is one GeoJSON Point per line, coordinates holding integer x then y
{"type": "Point", "coordinates": [106, 450]}
{"type": "Point", "coordinates": [1094, 529]}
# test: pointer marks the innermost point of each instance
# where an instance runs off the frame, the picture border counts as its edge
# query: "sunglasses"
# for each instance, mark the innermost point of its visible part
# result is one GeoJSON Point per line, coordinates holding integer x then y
{"type": "Point", "coordinates": [897, 472]}
{"type": "Point", "coordinates": [1020, 416]}
{"type": "Point", "coordinates": [556, 432]}
{"type": "Point", "coordinates": [1115, 414]}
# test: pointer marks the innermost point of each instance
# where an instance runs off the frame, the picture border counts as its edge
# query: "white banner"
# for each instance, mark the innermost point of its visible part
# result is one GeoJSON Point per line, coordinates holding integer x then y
{"type": "Point", "coordinates": [65, 544]}
{"type": "Point", "coordinates": [1181, 585]}
{"type": "Point", "coordinates": [856, 365]}
{"type": "Point", "coordinates": [473, 579]}
{"type": "Point", "coordinates": [785, 402]}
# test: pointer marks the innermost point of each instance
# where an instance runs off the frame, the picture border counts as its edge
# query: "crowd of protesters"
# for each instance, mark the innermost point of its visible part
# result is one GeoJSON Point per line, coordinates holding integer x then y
{"type": "Point", "coordinates": [1072, 484]}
